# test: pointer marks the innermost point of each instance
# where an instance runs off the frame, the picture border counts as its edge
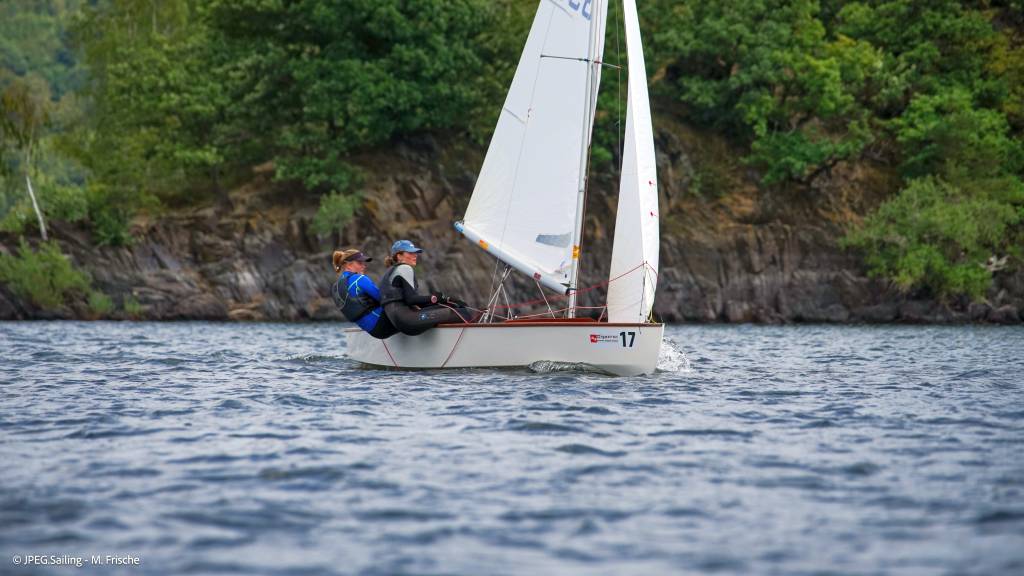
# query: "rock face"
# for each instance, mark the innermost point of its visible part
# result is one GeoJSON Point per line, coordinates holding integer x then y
{"type": "Point", "coordinates": [731, 252]}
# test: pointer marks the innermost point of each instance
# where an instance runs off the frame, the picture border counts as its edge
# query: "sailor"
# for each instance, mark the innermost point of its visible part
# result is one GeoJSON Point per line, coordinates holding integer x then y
{"type": "Point", "coordinates": [411, 312]}
{"type": "Point", "coordinates": [356, 296]}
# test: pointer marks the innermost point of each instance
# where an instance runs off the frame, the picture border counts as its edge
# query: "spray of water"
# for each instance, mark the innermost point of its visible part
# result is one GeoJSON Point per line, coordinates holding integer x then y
{"type": "Point", "coordinates": [672, 359]}
{"type": "Point", "coordinates": [549, 366]}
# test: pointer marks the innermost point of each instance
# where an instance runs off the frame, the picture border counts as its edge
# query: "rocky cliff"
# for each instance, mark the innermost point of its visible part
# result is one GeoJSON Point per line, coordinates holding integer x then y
{"type": "Point", "coordinates": [732, 251]}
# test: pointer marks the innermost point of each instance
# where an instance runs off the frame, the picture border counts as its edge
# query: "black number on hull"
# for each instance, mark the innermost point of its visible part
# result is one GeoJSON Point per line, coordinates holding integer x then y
{"type": "Point", "coordinates": [627, 343]}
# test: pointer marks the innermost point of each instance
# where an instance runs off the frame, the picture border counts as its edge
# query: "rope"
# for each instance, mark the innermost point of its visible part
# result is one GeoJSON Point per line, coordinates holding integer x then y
{"type": "Point", "coordinates": [445, 363]}
{"type": "Point", "coordinates": [389, 353]}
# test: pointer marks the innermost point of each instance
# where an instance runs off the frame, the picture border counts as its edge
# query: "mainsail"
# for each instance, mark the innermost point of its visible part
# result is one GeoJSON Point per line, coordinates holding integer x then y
{"type": "Point", "coordinates": [634, 269]}
{"type": "Point", "coordinates": [524, 206]}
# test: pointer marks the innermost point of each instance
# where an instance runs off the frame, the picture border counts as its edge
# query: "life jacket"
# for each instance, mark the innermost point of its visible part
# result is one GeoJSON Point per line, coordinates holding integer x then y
{"type": "Point", "coordinates": [352, 307]}
{"type": "Point", "coordinates": [388, 291]}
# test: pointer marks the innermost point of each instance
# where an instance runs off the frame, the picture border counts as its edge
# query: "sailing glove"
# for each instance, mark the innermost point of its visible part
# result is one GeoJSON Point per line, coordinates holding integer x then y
{"type": "Point", "coordinates": [442, 298]}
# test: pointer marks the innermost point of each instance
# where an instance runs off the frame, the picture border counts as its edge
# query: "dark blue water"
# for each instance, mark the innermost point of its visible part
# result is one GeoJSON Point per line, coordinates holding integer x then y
{"type": "Point", "coordinates": [259, 449]}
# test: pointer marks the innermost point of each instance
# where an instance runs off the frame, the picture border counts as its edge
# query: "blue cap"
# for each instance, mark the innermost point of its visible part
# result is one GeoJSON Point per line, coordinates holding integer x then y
{"type": "Point", "coordinates": [404, 246]}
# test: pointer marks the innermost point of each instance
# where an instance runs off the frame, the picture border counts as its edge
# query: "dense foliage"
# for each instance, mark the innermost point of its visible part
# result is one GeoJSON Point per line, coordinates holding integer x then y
{"type": "Point", "coordinates": [39, 77]}
{"type": "Point", "coordinates": [181, 94]}
{"type": "Point", "coordinates": [119, 105]}
{"type": "Point", "coordinates": [33, 41]}
{"type": "Point", "coordinates": [935, 88]}
{"type": "Point", "coordinates": [45, 276]}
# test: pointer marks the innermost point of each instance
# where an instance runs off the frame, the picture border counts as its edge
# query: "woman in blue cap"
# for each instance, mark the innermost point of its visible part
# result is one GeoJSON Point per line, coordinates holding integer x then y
{"type": "Point", "coordinates": [356, 296]}
{"type": "Point", "coordinates": [409, 311]}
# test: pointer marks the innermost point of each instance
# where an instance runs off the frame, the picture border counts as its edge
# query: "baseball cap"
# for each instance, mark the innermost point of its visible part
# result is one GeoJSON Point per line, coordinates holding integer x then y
{"type": "Point", "coordinates": [404, 246]}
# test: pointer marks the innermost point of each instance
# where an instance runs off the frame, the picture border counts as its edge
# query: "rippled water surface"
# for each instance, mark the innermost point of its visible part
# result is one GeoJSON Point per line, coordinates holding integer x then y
{"type": "Point", "coordinates": [259, 449]}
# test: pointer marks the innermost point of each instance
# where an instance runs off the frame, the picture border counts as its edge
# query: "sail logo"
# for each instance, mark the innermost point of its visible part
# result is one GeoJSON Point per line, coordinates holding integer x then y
{"type": "Point", "coordinates": [581, 6]}
{"type": "Point", "coordinates": [604, 339]}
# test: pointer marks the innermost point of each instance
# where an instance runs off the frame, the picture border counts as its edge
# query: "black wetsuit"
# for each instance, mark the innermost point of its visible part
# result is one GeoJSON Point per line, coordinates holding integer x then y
{"type": "Point", "coordinates": [409, 311]}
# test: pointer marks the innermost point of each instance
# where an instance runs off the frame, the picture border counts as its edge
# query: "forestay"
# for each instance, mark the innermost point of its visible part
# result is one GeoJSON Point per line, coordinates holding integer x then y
{"type": "Point", "coordinates": [634, 267]}
{"type": "Point", "coordinates": [524, 206]}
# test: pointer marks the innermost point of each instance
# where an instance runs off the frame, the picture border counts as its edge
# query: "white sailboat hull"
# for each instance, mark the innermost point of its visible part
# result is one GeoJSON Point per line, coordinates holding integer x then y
{"type": "Point", "coordinates": [620, 349]}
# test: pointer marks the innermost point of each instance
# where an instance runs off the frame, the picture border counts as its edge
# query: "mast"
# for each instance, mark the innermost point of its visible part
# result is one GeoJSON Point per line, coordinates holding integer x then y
{"type": "Point", "coordinates": [588, 125]}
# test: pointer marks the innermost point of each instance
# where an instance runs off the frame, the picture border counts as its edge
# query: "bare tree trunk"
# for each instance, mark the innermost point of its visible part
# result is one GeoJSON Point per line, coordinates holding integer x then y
{"type": "Point", "coordinates": [32, 194]}
{"type": "Point", "coordinates": [35, 205]}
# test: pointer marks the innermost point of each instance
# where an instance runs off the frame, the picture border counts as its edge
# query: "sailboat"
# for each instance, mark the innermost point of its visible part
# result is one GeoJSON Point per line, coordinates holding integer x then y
{"type": "Point", "coordinates": [527, 211]}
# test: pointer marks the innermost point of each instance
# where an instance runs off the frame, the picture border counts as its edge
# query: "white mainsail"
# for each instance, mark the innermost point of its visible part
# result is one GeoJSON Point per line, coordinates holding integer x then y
{"type": "Point", "coordinates": [634, 268]}
{"type": "Point", "coordinates": [524, 206]}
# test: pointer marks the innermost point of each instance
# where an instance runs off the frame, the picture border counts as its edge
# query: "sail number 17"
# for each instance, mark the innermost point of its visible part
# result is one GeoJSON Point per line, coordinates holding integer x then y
{"type": "Point", "coordinates": [627, 339]}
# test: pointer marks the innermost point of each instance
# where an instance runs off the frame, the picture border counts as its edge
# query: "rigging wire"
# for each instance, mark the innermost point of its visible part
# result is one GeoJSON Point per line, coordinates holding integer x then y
{"type": "Point", "coordinates": [546, 303]}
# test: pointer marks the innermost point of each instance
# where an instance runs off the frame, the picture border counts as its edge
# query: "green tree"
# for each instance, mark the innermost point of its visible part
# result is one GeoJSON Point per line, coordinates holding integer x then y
{"type": "Point", "coordinates": [767, 73]}
{"type": "Point", "coordinates": [926, 47]}
{"type": "Point", "coordinates": [34, 40]}
{"type": "Point", "coordinates": [39, 74]}
{"type": "Point", "coordinates": [946, 93]}
{"type": "Point", "coordinates": [45, 276]}
{"type": "Point", "coordinates": [324, 78]}
{"type": "Point", "coordinates": [185, 90]}
{"type": "Point", "coordinates": [938, 236]}
{"type": "Point", "coordinates": [25, 106]}
{"type": "Point", "coordinates": [151, 130]}
{"type": "Point", "coordinates": [948, 134]}
{"type": "Point", "coordinates": [155, 103]}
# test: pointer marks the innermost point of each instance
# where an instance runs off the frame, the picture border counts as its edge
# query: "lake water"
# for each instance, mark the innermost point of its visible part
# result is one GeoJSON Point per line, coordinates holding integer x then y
{"type": "Point", "coordinates": [202, 448]}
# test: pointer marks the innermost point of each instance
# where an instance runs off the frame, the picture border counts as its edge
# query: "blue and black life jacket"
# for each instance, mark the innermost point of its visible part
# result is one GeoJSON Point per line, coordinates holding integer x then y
{"type": "Point", "coordinates": [352, 307]}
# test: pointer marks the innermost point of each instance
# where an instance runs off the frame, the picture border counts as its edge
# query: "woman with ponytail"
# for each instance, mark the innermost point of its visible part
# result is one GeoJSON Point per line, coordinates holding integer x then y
{"type": "Point", "coordinates": [356, 296]}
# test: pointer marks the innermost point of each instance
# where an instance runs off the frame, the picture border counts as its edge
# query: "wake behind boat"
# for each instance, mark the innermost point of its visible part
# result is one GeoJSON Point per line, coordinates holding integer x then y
{"type": "Point", "coordinates": [527, 211]}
